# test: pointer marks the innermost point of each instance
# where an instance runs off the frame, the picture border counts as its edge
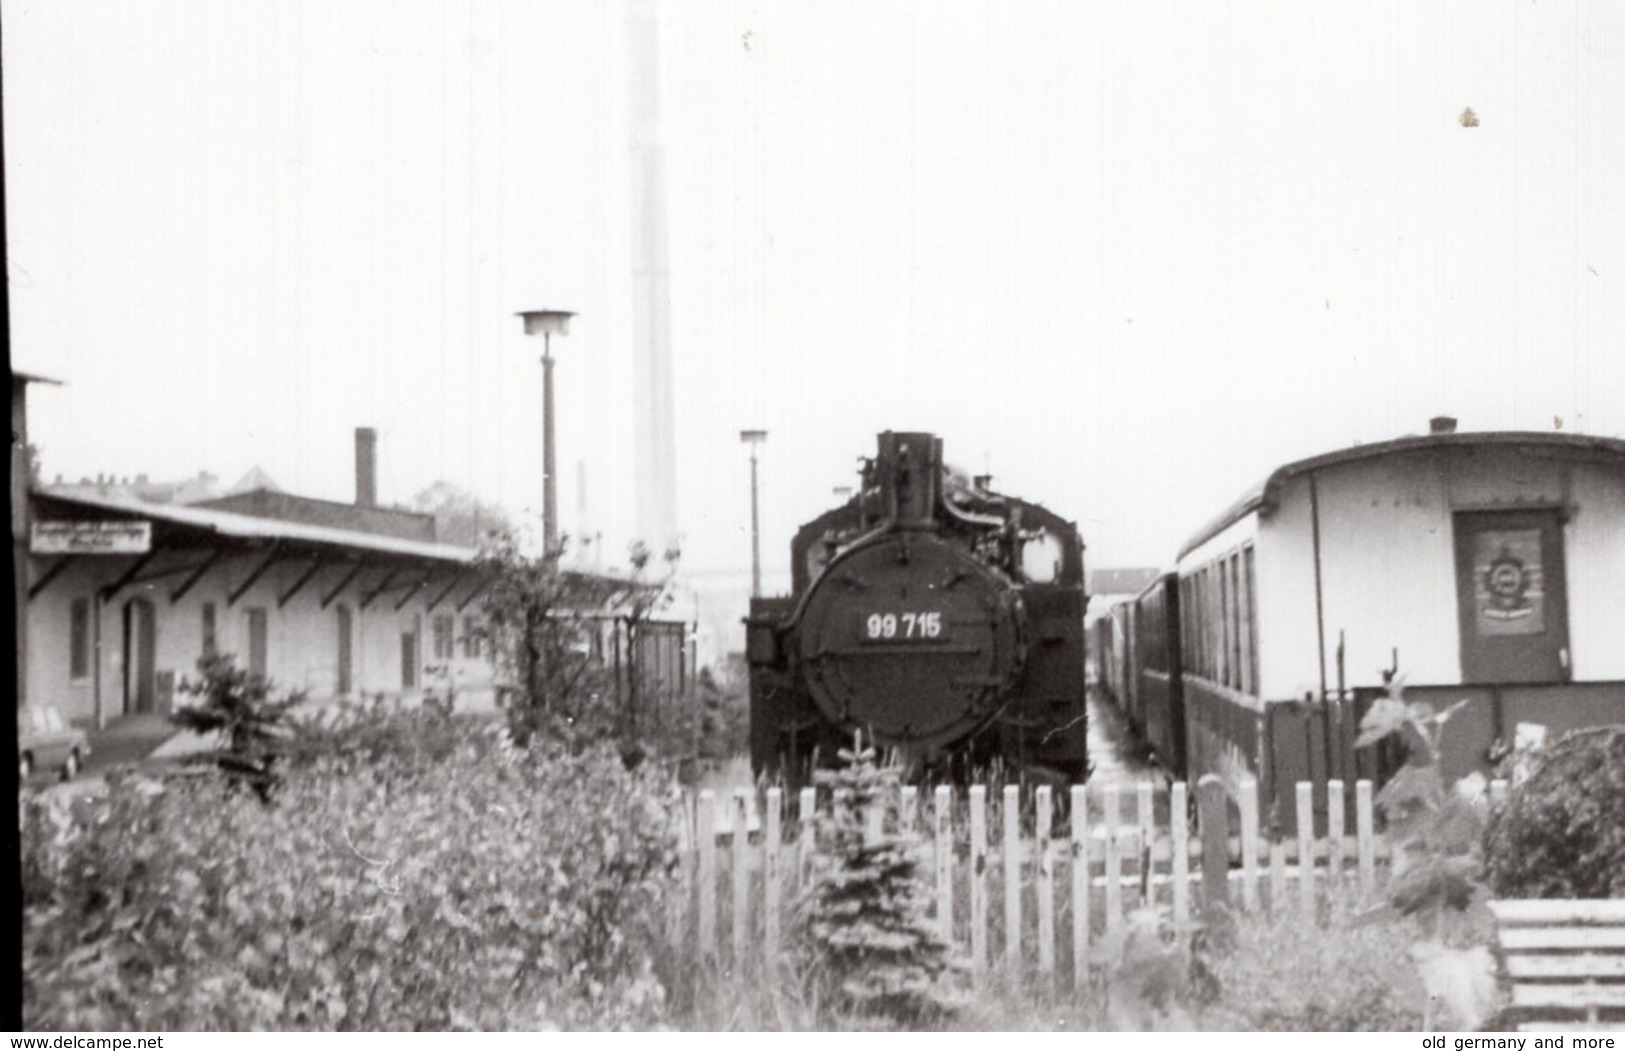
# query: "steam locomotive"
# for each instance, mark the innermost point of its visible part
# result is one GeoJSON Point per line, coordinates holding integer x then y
{"type": "Point", "coordinates": [942, 619]}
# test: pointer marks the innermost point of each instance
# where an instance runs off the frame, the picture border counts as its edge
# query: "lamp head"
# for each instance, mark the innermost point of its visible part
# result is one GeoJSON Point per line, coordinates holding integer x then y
{"type": "Point", "coordinates": [547, 322]}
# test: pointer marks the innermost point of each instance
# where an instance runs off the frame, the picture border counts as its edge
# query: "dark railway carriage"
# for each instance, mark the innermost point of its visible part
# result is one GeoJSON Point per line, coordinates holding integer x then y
{"type": "Point", "coordinates": [943, 619]}
{"type": "Point", "coordinates": [1159, 692]}
{"type": "Point", "coordinates": [1101, 655]}
{"type": "Point", "coordinates": [1123, 677]}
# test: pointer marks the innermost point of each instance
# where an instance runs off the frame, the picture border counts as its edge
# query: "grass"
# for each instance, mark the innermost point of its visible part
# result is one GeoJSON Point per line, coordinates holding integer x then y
{"type": "Point", "coordinates": [1272, 974]}
{"type": "Point", "coordinates": [1265, 971]}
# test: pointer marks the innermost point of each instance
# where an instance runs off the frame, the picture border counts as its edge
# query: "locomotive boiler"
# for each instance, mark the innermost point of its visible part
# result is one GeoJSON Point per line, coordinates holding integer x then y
{"type": "Point", "coordinates": [942, 619]}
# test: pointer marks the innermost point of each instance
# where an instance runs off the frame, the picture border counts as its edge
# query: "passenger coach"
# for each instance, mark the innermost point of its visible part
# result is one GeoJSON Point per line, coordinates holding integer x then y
{"type": "Point", "coordinates": [1485, 566]}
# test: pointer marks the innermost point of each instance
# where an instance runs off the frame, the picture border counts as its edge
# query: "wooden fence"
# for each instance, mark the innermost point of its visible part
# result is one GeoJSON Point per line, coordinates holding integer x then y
{"type": "Point", "coordinates": [1007, 878]}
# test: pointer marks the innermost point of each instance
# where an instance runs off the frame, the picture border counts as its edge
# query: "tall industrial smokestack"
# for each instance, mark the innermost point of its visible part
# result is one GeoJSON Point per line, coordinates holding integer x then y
{"type": "Point", "coordinates": [366, 467]}
{"type": "Point", "coordinates": [654, 433]}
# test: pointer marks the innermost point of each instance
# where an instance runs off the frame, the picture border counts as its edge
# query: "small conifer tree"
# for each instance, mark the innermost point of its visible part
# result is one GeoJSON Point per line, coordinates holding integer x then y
{"type": "Point", "coordinates": [876, 951]}
{"type": "Point", "coordinates": [239, 705]}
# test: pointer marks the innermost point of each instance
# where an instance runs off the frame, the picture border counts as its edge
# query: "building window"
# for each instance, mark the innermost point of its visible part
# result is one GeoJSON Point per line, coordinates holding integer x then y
{"type": "Point", "coordinates": [79, 639]}
{"type": "Point", "coordinates": [471, 638]}
{"type": "Point", "coordinates": [211, 634]}
{"type": "Point", "coordinates": [444, 627]}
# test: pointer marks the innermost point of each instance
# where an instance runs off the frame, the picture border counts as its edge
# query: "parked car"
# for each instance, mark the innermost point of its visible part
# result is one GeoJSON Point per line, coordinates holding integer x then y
{"type": "Point", "coordinates": [45, 741]}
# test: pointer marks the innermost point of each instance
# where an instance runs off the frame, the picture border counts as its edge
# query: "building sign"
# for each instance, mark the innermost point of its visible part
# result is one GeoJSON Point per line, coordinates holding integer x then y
{"type": "Point", "coordinates": [1509, 585]}
{"type": "Point", "coordinates": [90, 538]}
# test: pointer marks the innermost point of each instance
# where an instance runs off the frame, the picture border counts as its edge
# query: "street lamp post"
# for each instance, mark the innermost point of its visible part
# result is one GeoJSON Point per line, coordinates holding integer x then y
{"type": "Point", "coordinates": [545, 323]}
{"type": "Point", "coordinates": [753, 439]}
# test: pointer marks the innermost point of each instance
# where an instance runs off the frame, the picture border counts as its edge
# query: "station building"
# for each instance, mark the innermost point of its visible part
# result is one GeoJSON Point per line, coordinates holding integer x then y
{"type": "Point", "coordinates": [337, 600]}
{"type": "Point", "coordinates": [125, 593]}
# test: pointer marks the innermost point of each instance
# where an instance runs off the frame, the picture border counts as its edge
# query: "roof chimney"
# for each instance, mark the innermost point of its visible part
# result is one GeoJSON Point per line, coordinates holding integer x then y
{"type": "Point", "coordinates": [1442, 425]}
{"type": "Point", "coordinates": [366, 467]}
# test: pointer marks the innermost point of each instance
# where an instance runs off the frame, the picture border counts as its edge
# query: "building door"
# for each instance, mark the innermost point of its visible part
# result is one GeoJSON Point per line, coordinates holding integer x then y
{"type": "Point", "coordinates": [341, 685]}
{"type": "Point", "coordinates": [1512, 597]}
{"type": "Point", "coordinates": [140, 653]}
{"type": "Point", "coordinates": [258, 642]}
{"type": "Point", "coordinates": [409, 660]}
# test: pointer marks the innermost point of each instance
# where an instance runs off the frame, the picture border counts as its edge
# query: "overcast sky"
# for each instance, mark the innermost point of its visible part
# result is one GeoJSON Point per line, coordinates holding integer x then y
{"type": "Point", "coordinates": [1126, 256]}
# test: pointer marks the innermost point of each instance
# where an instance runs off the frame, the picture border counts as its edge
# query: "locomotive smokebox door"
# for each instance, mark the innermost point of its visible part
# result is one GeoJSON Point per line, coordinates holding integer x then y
{"type": "Point", "coordinates": [911, 639]}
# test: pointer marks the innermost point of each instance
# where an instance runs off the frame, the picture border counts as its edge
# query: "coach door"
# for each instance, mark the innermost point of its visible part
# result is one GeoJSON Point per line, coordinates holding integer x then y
{"type": "Point", "coordinates": [1512, 597]}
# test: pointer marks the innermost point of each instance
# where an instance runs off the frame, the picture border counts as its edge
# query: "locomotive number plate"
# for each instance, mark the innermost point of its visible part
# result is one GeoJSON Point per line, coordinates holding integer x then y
{"type": "Point", "coordinates": [909, 626]}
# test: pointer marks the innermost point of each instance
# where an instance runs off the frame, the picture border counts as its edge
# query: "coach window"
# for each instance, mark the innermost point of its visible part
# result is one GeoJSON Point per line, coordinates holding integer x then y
{"type": "Point", "coordinates": [1193, 625]}
{"type": "Point", "coordinates": [1188, 608]}
{"type": "Point", "coordinates": [79, 639]}
{"type": "Point", "coordinates": [1250, 588]}
{"type": "Point", "coordinates": [1237, 620]}
{"type": "Point", "coordinates": [1204, 624]}
{"type": "Point", "coordinates": [1210, 624]}
{"type": "Point", "coordinates": [1244, 598]}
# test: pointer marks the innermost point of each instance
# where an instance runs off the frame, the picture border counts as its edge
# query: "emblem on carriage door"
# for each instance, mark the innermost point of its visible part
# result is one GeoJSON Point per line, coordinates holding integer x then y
{"type": "Point", "coordinates": [1510, 598]}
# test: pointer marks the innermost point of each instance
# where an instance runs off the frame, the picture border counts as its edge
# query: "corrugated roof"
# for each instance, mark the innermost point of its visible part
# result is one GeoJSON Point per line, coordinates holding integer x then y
{"type": "Point", "coordinates": [1263, 497]}
{"type": "Point", "coordinates": [250, 527]}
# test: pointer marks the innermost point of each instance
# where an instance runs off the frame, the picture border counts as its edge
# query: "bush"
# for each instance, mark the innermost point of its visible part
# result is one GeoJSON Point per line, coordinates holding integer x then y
{"type": "Point", "coordinates": [1561, 832]}
{"type": "Point", "coordinates": [487, 888]}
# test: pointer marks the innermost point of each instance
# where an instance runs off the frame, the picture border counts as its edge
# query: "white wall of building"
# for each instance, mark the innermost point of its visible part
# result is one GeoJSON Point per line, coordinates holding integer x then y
{"type": "Point", "coordinates": [302, 637]}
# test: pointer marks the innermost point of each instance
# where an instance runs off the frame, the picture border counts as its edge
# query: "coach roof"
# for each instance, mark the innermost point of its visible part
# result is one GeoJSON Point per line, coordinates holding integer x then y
{"type": "Point", "coordinates": [1263, 498]}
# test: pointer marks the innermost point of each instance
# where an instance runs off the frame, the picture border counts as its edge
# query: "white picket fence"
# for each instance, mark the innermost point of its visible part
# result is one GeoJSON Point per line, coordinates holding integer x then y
{"type": "Point", "coordinates": [741, 881]}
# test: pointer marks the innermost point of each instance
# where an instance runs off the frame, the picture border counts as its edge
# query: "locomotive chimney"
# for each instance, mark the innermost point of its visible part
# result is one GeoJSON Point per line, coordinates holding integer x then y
{"type": "Point", "coordinates": [910, 465]}
{"type": "Point", "coordinates": [366, 467]}
{"type": "Point", "coordinates": [1442, 425]}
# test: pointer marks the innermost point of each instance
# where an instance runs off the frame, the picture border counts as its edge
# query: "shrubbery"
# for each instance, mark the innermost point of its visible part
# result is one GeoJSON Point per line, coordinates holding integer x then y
{"type": "Point", "coordinates": [1561, 832]}
{"type": "Point", "coordinates": [481, 887]}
